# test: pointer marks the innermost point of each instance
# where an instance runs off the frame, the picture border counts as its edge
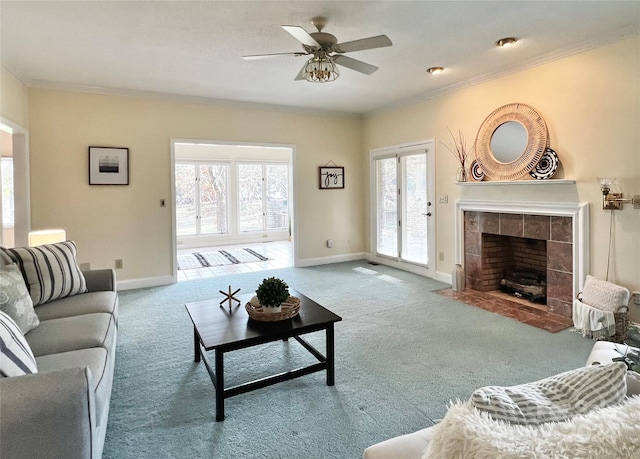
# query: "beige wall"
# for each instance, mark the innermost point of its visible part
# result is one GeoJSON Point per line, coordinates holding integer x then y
{"type": "Point", "coordinates": [14, 99]}
{"type": "Point", "coordinates": [591, 103]}
{"type": "Point", "coordinates": [127, 222]}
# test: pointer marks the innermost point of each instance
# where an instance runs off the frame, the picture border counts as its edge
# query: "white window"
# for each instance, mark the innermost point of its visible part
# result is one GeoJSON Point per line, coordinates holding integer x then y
{"type": "Point", "coordinates": [202, 205]}
{"type": "Point", "coordinates": [263, 197]}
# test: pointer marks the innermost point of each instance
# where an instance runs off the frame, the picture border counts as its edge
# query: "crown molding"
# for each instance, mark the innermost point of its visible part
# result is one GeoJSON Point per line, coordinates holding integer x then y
{"type": "Point", "coordinates": [182, 98]}
{"type": "Point", "coordinates": [19, 76]}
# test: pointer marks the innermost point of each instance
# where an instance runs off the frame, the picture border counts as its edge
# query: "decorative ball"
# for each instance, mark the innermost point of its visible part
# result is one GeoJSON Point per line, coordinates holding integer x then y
{"type": "Point", "coordinates": [255, 302]}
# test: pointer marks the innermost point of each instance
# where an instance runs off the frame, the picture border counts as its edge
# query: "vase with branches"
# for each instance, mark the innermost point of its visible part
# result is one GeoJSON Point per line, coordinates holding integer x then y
{"type": "Point", "coordinates": [459, 151]}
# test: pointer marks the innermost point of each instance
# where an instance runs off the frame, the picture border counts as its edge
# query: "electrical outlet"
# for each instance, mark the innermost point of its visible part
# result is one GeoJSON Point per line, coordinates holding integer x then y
{"type": "Point", "coordinates": [118, 264]}
{"type": "Point", "coordinates": [441, 256]}
{"type": "Point", "coordinates": [444, 199]}
{"type": "Point", "coordinates": [636, 298]}
{"type": "Point", "coordinates": [329, 243]}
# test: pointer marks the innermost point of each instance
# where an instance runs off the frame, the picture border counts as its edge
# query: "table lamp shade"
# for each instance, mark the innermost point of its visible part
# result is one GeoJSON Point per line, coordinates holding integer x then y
{"type": "Point", "coordinates": [49, 236]}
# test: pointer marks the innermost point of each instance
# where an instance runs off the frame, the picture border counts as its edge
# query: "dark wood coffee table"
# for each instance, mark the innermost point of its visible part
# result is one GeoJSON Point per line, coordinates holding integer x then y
{"type": "Point", "coordinates": [216, 329]}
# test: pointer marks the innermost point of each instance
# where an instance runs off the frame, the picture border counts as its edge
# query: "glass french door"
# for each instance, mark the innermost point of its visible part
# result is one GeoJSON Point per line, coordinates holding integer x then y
{"type": "Point", "coordinates": [201, 199]}
{"type": "Point", "coordinates": [402, 206]}
{"type": "Point", "coordinates": [263, 197]}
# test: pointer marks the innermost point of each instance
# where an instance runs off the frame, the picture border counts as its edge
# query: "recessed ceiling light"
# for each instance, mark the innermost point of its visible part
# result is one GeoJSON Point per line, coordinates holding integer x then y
{"type": "Point", "coordinates": [435, 70]}
{"type": "Point", "coordinates": [506, 42]}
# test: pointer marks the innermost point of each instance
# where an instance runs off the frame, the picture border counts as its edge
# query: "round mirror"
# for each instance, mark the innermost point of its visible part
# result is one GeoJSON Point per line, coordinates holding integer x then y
{"type": "Point", "coordinates": [511, 142]}
{"type": "Point", "coordinates": [508, 142]}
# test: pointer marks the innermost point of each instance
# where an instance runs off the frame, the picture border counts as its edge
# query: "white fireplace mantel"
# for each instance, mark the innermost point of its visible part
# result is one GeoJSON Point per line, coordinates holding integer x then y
{"type": "Point", "coordinates": [578, 211]}
{"type": "Point", "coordinates": [518, 182]}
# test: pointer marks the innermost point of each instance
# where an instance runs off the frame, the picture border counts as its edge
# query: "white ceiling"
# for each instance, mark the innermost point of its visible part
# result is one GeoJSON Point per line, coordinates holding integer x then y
{"type": "Point", "coordinates": [195, 49]}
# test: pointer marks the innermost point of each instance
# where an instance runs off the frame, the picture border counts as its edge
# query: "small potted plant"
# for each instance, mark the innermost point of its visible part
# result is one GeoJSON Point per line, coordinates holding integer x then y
{"type": "Point", "coordinates": [271, 293]}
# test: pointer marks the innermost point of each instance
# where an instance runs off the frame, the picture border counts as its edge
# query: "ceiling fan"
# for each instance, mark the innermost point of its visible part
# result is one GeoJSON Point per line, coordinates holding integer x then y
{"type": "Point", "coordinates": [327, 52]}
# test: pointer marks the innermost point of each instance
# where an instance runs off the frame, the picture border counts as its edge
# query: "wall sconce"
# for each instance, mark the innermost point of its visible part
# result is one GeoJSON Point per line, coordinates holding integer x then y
{"type": "Point", "coordinates": [49, 236]}
{"type": "Point", "coordinates": [614, 201]}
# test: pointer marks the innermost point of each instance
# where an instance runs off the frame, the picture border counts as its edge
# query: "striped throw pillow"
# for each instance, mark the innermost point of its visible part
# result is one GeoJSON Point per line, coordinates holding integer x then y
{"type": "Point", "coordinates": [50, 271]}
{"type": "Point", "coordinates": [16, 358]}
{"type": "Point", "coordinates": [557, 398]}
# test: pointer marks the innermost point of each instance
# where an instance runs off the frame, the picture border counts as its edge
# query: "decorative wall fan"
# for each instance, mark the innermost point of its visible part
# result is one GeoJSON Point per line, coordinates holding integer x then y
{"type": "Point", "coordinates": [326, 52]}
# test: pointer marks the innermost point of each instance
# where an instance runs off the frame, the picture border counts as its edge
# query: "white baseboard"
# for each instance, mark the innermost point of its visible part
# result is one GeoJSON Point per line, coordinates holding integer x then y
{"type": "Point", "coordinates": [443, 277]}
{"type": "Point", "coordinates": [145, 282]}
{"type": "Point", "coordinates": [305, 263]}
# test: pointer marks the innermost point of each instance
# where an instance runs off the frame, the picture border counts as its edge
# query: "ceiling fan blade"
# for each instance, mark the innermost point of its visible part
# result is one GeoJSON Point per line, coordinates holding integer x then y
{"type": "Point", "coordinates": [300, 75]}
{"type": "Point", "coordinates": [379, 41]}
{"type": "Point", "coordinates": [302, 36]}
{"type": "Point", "coordinates": [354, 64]}
{"type": "Point", "coordinates": [253, 57]}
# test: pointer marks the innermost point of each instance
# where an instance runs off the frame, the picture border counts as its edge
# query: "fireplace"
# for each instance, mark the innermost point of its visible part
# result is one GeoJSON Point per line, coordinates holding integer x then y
{"type": "Point", "coordinates": [545, 241]}
{"type": "Point", "coordinates": [516, 266]}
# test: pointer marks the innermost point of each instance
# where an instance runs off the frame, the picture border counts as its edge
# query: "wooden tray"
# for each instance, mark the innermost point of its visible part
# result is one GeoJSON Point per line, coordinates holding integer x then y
{"type": "Point", "coordinates": [289, 309]}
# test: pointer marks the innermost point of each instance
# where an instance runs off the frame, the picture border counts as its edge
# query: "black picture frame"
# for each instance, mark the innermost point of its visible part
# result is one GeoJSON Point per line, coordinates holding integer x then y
{"type": "Point", "coordinates": [331, 177]}
{"type": "Point", "coordinates": [108, 166]}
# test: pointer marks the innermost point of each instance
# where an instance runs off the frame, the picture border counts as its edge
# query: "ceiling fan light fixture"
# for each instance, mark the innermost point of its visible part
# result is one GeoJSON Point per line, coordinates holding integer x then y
{"type": "Point", "coordinates": [321, 69]}
{"type": "Point", "coordinates": [435, 70]}
{"type": "Point", "coordinates": [506, 42]}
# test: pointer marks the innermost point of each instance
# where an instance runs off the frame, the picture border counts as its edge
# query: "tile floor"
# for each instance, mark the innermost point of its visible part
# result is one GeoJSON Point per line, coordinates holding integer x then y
{"type": "Point", "coordinates": [525, 312]}
{"type": "Point", "coordinates": [280, 255]}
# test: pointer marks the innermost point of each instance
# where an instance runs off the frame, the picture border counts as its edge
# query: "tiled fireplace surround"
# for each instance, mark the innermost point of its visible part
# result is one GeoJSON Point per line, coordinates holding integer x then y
{"type": "Point", "coordinates": [555, 235]}
{"type": "Point", "coordinates": [544, 242]}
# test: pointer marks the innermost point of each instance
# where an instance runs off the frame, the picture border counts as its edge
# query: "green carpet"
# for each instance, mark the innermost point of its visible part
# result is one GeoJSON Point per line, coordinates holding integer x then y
{"type": "Point", "coordinates": [402, 352]}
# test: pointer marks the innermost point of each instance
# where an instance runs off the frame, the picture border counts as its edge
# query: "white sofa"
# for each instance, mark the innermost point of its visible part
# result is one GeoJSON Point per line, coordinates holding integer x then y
{"type": "Point", "coordinates": [413, 445]}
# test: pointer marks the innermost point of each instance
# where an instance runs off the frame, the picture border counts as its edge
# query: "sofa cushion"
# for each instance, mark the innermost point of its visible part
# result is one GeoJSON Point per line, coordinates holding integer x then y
{"type": "Point", "coordinates": [15, 300]}
{"type": "Point", "coordinates": [50, 271]}
{"type": "Point", "coordinates": [16, 357]}
{"type": "Point", "coordinates": [86, 303]}
{"type": "Point", "coordinates": [96, 359]}
{"type": "Point", "coordinates": [555, 398]}
{"type": "Point", "coordinates": [72, 333]}
{"type": "Point", "coordinates": [4, 259]}
{"type": "Point", "coordinates": [633, 383]}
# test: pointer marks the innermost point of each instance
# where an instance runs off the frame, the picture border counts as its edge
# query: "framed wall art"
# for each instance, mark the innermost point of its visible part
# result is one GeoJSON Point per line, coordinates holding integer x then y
{"type": "Point", "coordinates": [108, 166]}
{"type": "Point", "coordinates": [331, 177]}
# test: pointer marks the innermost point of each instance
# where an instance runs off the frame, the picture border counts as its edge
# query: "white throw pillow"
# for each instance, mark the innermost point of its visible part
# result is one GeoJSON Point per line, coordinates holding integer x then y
{"type": "Point", "coordinates": [50, 271]}
{"type": "Point", "coordinates": [603, 295]}
{"type": "Point", "coordinates": [15, 300]}
{"type": "Point", "coordinates": [555, 398]}
{"type": "Point", "coordinates": [16, 358]}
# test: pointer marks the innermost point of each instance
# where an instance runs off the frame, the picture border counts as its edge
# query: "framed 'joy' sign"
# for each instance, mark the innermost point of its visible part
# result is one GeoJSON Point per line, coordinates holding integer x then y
{"type": "Point", "coordinates": [331, 177]}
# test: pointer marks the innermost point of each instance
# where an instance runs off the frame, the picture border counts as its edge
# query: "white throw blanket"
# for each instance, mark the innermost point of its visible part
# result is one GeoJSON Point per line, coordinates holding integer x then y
{"type": "Point", "coordinates": [606, 433]}
{"type": "Point", "coordinates": [593, 322]}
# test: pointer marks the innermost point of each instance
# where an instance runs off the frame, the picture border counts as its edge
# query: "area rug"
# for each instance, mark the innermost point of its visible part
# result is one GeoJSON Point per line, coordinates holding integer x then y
{"type": "Point", "coordinates": [219, 258]}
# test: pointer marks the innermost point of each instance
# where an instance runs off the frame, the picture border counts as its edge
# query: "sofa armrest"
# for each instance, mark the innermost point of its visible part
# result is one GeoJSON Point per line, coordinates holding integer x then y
{"type": "Point", "coordinates": [100, 280]}
{"type": "Point", "coordinates": [47, 415]}
{"type": "Point", "coordinates": [409, 446]}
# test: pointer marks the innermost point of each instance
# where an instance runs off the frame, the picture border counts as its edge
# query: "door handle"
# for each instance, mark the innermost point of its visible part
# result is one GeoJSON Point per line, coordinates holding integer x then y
{"type": "Point", "coordinates": [428, 214]}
